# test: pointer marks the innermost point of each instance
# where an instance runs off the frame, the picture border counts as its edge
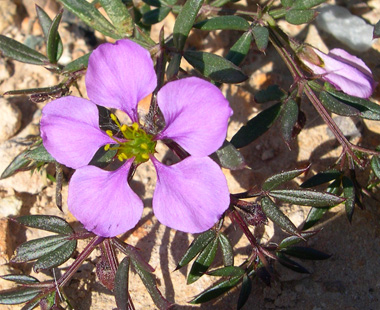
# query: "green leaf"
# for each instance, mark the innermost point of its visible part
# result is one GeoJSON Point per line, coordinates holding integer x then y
{"type": "Point", "coordinates": [306, 4]}
{"type": "Point", "coordinates": [321, 178]}
{"type": "Point", "coordinates": [46, 222]}
{"type": "Point", "coordinates": [289, 119]}
{"type": "Point", "coordinates": [376, 30]}
{"type": "Point", "coordinates": [203, 262]}
{"type": "Point", "coordinates": [19, 163]}
{"type": "Point", "coordinates": [305, 253]}
{"type": "Point", "coordinates": [121, 284]}
{"type": "Point", "coordinates": [46, 22]}
{"type": "Point", "coordinates": [261, 35]}
{"type": "Point", "coordinates": [119, 16]}
{"type": "Point", "coordinates": [31, 304]}
{"type": "Point", "coordinates": [20, 52]}
{"type": "Point", "coordinates": [150, 283]}
{"type": "Point", "coordinates": [156, 15]}
{"type": "Point", "coordinates": [185, 21]}
{"type": "Point", "coordinates": [278, 179]}
{"type": "Point", "coordinates": [230, 157]}
{"type": "Point", "coordinates": [18, 296]}
{"type": "Point", "coordinates": [271, 93]}
{"type": "Point", "coordinates": [375, 165]}
{"type": "Point", "coordinates": [240, 49]}
{"type": "Point", "coordinates": [56, 257]}
{"type": "Point", "coordinates": [291, 264]}
{"type": "Point", "coordinates": [336, 106]}
{"type": "Point", "coordinates": [91, 16]}
{"type": "Point", "coordinates": [256, 126]}
{"type": "Point", "coordinates": [228, 22]}
{"type": "Point", "coordinates": [227, 250]}
{"type": "Point", "coordinates": [274, 213]}
{"type": "Point", "coordinates": [245, 291]}
{"type": "Point", "coordinates": [298, 17]}
{"type": "Point", "coordinates": [173, 66]}
{"type": "Point", "coordinates": [37, 248]}
{"type": "Point", "coordinates": [349, 194]}
{"type": "Point", "coordinates": [196, 247]}
{"type": "Point", "coordinates": [216, 290]}
{"type": "Point", "coordinates": [39, 154]}
{"type": "Point", "coordinates": [229, 271]}
{"type": "Point", "coordinates": [53, 40]}
{"type": "Point", "coordinates": [215, 67]}
{"type": "Point", "coordinates": [305, 197]}
{"type": "Point", "coordinates": [287, 3]}
{"type": "Point", "coordinates": [292, 240]}
{"type": "Point", "coordinates": [20, 278]}
{"type": "Point", "coordinates": [77, 64]}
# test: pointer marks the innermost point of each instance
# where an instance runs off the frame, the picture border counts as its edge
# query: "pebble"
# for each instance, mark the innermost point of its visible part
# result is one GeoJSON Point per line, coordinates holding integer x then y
{"type": "Point", "coordinates": [10, 119]}
{"type": "Point", "coordinates": [10, 205]}
{"type": "Point", "coordinates": [349, 29]}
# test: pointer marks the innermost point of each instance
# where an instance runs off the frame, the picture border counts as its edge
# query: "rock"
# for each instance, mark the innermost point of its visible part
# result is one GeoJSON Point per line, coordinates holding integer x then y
{"type": "Point", "coordinates": [10, 119]}
{"type": "Point", "coordinates": [345, 27]}
{"type": "Point", "coordinates": [10, 205]}
{"type": "Point", "coordinates": [7, 14]}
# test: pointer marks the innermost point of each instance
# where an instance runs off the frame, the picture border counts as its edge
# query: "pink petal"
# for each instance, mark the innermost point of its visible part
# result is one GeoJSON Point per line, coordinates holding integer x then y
{"type": "Point", "coordinates": [70, 131]}
{"type": "Point", "coordinates": [196, 115]}
{"type": "Point", "coordinates": [191, 195]}
{"type": "Point", "coordinates": [354, 61]}
{"type": "Point", "coordinates": [103, 201]}
{"type": "Point", "coordinates": [120, 75]}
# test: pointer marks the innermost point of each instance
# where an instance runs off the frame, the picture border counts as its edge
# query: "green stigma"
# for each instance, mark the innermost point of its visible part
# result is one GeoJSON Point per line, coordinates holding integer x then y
{"type": "Point", "coordinates": [137, 144]}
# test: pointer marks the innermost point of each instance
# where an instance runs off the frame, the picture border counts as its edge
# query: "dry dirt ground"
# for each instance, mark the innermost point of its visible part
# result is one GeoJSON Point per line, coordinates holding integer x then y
{"type": "Point", "coordinates": [350, 279]}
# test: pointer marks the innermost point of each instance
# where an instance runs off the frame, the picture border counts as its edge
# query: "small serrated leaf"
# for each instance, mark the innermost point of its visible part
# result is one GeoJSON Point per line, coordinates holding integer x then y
{"type": "Point", "coordinates": [203, 262]}
{"type": "Point", "coordinates": [196, 247]}
{"type": "Point", "coordinates": [18, 296]}
{"type": "Point", "coordinates": [46, 222]}
{"type": "Point", "coordinates": [228, 22]}
{"type": "Point", "coordinates": [227, 250]}
{"type": "Point", "coordinates": [280, 178]}
{"type": "Point", "coordinates": [305, 253]}
{"type": "Point", "coordinates": [121, 284]}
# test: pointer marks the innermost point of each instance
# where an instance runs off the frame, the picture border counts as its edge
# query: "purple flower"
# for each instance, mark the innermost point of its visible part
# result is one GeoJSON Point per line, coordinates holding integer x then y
{"type": "Point", "coordinates": [189, 196]}
{"type": "Point", "coordinates": [346, 72]}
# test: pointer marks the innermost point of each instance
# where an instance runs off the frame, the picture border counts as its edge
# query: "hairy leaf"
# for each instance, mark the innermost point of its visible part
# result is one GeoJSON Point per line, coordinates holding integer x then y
{"type": "Point", "coordinates": [229, 271]}
{"type": "Point", "coordinates": [227, 250]}
{"type": "Point", "coordinates": [20, 278]}
{"type": "Point", "coordinates": [240, 49]}
{"type": "Point", "coordinates": [119, 16]}
{"type": "Point", "coordinates": [53, 40]}
{"type": "Point", "coordinates": [156, 15]}
{"type": "Point", "coordinates": [77, 64]}
{"type": "Point", "coordinates": [321, 178]}
{"type": "Point", "coordinates": [261, 35]}
{"type": "Point", "coordinates": [245, 291]}
{"type": "Point", "coordinates": [46, 222]}
{"type": "Point", "coordinates": [278, 179]}
{"type": "Point", "coordinates": [230, 157]}
{"type": "Point", "coordinates": [18, 296]}
{"type": "Point", "coordinates": [228, 22]}
{"type": "Point", "coordinates": [349, 194]}
{"type": "Point", "coordinates": [271, 93]}
{"type": "Point", "coordinates": [291, 264]}
{"type": "Point", "coordinates": [298, 17]}
{"type": "Point", "coordinates": [289, 119]}
{"type": "Point", "coordinates": [305, 253]}
{"type": "Point", "coordinates": [121, 284]}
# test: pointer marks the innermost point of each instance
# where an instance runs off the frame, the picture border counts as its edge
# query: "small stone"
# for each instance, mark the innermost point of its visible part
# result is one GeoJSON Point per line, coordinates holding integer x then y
{"type": "Point", "coordinates": [10, 119]}
{"type": "Point", "coordinates": [10, 205]}
{"type": "Point", "coordinates": [7, 14]}
{"type": "Point", "coordinates": [345, 27]}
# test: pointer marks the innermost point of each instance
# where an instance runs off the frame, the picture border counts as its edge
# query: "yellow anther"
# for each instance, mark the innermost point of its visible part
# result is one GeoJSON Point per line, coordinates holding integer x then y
{"type": "Point", "coordinates": [124, 127]}
{"type": "Point", "coordinates": [107, 147]}
{"type": "Point", "coordinates": [119, 157]}
{"type": "Point", "coordinates": [113, 117]}
{"type": "Point", "coordinates": [144, 146]}
{"type": "Point", "coordinates": [145, 156]}
{"type": "Point", "coordinates": [109, 132]}
{"type": "Point", "coordinates": [124, 156]}
{"type": "Point", "coordinates": [135, 126]}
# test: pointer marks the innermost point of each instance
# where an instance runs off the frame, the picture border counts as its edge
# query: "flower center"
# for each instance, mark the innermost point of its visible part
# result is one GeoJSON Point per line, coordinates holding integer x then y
{"type": "Point", "coordinates": [137, 144]}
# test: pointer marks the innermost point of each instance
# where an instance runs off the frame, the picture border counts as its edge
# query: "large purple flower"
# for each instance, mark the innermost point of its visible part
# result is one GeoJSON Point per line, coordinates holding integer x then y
{"type": "Point", "coordinates": [189, 196]}
{"type": "Point", "coordinates": [346, 72]}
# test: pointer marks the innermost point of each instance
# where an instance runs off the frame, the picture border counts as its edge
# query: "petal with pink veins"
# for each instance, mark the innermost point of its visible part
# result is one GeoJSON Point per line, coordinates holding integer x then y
{"type": "Point", "coordinates": [103, 200]}
{"type": "Point", "coordinates": [70, 131]}
{"type": "Point", "coordinates": [191, 195]}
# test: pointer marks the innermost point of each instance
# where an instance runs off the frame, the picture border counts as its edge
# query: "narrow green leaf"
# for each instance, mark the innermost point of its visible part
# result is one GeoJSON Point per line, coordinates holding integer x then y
{"type": "Point", "coordinates": [215, 67]}
{"type": "Point", "coordinates": [240, 49]}
{"type": "Point", "coordinates": [256, 126]}
{"type": "Point", "coordinates": [227, 250]}
{"type": "Point", "coordinates": [185, 21]}
{"type": "Point", "coordinates": [271, 93]}
{"type": "Point", "coordinates": [291, 264]}
{"type": "Point", "coordinates": [245, 291]}
{"type": "Point", "coordinates": [230, 157]}
{"type": "Point", "coordinates": [228, 22]}
{"type": "Point", "coordinates": [91, 16]}
{"type": "Point", "coordinates": [305, 197]}
{"type": "Point", "coordinates": [39, 154]}
{"type": "Point", "coordinates": [305, 253]}
{"type": "Point", "coordinates": [53, 39]}
{"type": "Point", "coordinates": [20, 52]}
{"type": "Point", "coordinates": [196, 247]}
{"type": "Point", "coordinates": [150, 283]}
{"type": "Point", "coordinates": [46, 222]}
{"type": "Point", "coordinates": [287, 3]}
{"type": "Point", "coordinates": [278, 179]}
{"type": "Point", "coordinates": [121, 284]}
{"type": "Point", "coordinates": [46, 22]}
{"type": "Point", "coordinates": [229, 271]}
{"type": "Point", "coordinates": [31, 304]}
{"type": "Point", "coordinates": [261, 35]}
{"type": "Point", "coordinates": [321, 178]}
{"type": "Point", "coordinates": [298, 17]}
{"type": "Point", "coordinates": [36, 248]}
{"type": "Point", "coordinates": [292, 240]}
{"type": "Point", "coordinates": [119, 16]}
{"type": "Point", "coordinates": [19, 163]}
{"type": "Point", "coordinates": [216, 290]}
{"type": "Point", "coordinates": [289, 119]}
{"type": "Point", "coordinates": [77, 64]}
{"type": "Point", "coordinates": [275, 214]}
{"type": "Point", "coordinates": [173, 66]}
{"type": "Point", "coordinates": [376, 30]}
{"type": "Point", "coordinates": [156, 15]}
{"type": "Point", "coordinates": [375, 165]}
{"type": "Point", "coordinates": [306, 4]}
{"type": "Point", "coordinates": [336, 106]}
{"type": "Point", "coordinates": [56, 257]}
{"type": "Point", "coordinates": [203, 262]}
{"type": "Point", "coordinates": [20, 278]}
{"type": "Point", "coordinates": [349, 194]}
{"type": "Point", "coordinates": [18, 296]}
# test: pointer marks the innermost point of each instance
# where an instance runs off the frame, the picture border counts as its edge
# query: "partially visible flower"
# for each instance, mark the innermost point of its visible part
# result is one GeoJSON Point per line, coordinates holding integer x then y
{"type": "Point", "coordinates": [189, 196]}
{"type": "Point", "coordinates": [346, 72]}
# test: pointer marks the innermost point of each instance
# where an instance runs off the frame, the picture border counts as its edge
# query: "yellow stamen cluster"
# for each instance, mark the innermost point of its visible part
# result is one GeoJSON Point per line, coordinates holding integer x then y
{"type": "Point", "coordinates": [136, 143]}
